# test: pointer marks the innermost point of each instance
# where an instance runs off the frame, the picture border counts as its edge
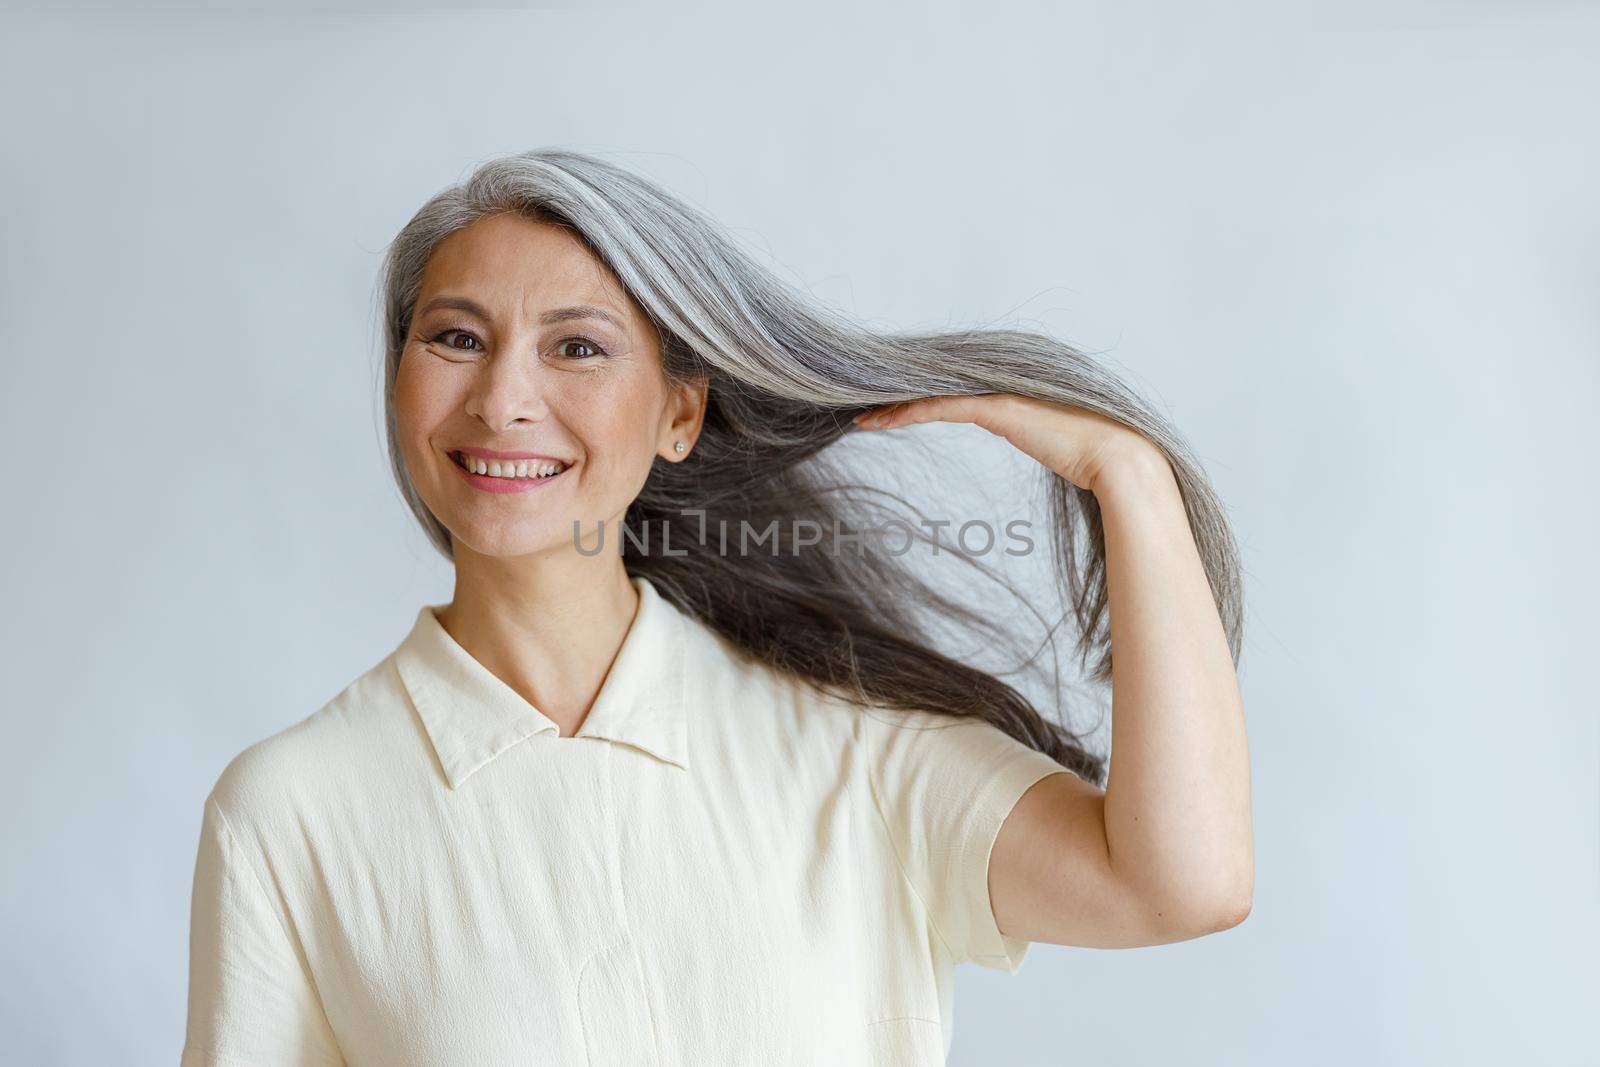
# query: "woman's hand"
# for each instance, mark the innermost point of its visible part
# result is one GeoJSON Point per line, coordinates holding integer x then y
{"type": "Point", "coordinates": [1079, 445]}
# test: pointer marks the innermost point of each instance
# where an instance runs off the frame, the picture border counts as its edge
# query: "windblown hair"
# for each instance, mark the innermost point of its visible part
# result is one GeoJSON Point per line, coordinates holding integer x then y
{"type": "Point", "coordinates": [785, 377]}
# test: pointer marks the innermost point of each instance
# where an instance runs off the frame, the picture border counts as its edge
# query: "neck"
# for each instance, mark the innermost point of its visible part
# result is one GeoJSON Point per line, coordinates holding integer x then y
{"type": "Point", "coordinates": [548, 625]}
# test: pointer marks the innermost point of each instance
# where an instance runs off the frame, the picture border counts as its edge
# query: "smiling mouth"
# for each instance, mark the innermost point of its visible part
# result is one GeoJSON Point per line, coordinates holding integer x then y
{"type": "Point", "coordinates": [509, 469]}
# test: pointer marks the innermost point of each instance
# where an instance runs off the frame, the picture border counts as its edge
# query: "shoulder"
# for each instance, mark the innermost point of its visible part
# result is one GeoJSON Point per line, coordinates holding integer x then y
{"type": "Point", "coordinates": [293, 770]}
{"type": "Point", "coordinates": [743, 694]}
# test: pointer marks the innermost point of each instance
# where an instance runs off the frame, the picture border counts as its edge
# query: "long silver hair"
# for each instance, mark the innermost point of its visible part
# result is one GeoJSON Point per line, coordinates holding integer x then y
{"type": "Point", "coordinates": [785, 376]}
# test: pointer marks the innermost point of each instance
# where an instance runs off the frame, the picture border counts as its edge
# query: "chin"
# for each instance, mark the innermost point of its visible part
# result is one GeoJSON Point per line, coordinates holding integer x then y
{"type": "Point", "coordinates": [509, 544]}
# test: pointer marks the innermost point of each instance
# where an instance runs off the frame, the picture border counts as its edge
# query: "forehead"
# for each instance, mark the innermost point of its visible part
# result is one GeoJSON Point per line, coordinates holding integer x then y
{"type": "Point", "coordinates": [512, 257]}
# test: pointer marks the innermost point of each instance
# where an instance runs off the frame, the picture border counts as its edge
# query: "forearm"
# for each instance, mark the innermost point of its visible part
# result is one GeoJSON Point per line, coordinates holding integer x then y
{"type": "Point", "coordinates": [1177, 803]}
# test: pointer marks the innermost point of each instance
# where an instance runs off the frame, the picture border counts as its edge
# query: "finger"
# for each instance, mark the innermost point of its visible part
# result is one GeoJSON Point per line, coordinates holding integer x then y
{"type": "Point", "coordinates": [923, 409]}
{"type": "Point", "coordinates": [876, 417]}
{"type": "Point", "coordinates": [934, 409]}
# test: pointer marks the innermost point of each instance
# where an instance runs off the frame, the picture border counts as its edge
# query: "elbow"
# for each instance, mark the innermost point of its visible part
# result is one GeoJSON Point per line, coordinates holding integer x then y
{"type": "Point", "coordinates": [1206, 913]}
{"type": "Point", "coordinates": [1228, 902]}
{"type": "Point", "coordinates": [1228, 908]}
{"type": "Point", "coordinates": [1201, 900]}
{"type": "Point", "coordinates": [1230, 913]}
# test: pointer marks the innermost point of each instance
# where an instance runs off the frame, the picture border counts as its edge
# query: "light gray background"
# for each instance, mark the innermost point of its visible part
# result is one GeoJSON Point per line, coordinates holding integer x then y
{"type": "Point", "coordinates": [1351, 249]}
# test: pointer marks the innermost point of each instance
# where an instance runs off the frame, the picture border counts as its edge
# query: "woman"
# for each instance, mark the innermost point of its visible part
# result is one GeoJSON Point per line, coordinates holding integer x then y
{"type": "Point", "coordinates": [669, 798]}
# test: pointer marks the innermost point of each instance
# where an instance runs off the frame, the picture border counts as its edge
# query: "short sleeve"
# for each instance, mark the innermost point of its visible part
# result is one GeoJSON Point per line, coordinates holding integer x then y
{"type": "Point", "coordinates": [944, 786]}
{"type": "Point", "coordinates": [251, 999]}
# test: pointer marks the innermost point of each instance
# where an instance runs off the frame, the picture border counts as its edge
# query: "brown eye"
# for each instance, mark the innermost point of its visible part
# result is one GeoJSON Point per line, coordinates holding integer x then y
{"type": "Point", "coordinates": [460, 340]}
{"type": "Point", "coordinates": [587, 349]}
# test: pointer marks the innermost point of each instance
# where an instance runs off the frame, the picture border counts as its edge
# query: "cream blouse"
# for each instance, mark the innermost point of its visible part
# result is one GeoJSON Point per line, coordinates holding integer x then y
{"type": "Point", "coordinates": [720, 867]}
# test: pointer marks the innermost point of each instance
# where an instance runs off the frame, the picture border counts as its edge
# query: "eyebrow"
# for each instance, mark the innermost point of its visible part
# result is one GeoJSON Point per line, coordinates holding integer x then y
{"type": "Point", "coordinates": [571, 313]}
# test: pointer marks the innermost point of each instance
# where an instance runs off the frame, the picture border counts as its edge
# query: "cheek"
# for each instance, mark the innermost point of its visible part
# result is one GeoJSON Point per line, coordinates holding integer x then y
{"type": "Point", "coordinates": [618, 422]}
{"type": "Point", "coordinates": [421, 398]}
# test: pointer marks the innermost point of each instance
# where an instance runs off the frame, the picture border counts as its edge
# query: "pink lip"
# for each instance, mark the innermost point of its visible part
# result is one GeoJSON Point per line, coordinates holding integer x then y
{"type": "Point", "coordinates": [491, 484]}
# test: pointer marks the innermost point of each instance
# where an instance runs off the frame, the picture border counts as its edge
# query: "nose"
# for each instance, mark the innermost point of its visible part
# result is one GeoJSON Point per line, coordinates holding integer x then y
{"type": "Point", "coordinates": [507, 391]}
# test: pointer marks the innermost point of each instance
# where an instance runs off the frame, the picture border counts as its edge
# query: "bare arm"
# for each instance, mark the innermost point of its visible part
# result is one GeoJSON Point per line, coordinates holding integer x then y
{"type": "Point", "coordinates": [1164, 853]}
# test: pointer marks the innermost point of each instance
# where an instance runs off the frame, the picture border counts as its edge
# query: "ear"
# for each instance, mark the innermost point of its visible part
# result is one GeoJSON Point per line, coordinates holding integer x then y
{"type": "Point", "coordinates": [685, 414]}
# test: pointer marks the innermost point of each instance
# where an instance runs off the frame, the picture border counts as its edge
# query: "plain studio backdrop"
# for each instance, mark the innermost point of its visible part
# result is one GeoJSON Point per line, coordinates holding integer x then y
{"type": "Point", "coordinates": [1350, 249]}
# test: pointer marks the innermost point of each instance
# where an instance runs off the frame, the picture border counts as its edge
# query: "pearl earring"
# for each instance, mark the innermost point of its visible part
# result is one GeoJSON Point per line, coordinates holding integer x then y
{"type": "Point", "coordinates": [678, 446]}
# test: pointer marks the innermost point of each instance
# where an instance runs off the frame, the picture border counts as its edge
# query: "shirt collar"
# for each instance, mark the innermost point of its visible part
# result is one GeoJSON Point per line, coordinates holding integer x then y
{"type": "Point", "coordinates": [471, 716]}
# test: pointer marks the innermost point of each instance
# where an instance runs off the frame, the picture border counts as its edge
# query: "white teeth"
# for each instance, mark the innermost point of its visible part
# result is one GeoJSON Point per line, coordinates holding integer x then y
{"type": "Point", "coordinates": [522, 468]}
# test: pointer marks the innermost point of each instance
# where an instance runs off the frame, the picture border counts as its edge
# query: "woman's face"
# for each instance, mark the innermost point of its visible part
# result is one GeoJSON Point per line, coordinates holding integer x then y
{"type": "Point", "coordinates": [523, 342]}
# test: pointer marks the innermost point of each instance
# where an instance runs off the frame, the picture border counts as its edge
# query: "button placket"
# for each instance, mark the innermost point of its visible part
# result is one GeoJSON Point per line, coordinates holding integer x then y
{"type": "Point", "coordinates": [618, 1025]}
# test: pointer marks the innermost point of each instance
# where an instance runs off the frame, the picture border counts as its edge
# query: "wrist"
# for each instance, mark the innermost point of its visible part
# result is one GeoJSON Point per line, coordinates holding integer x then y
{"type": "Point", "coordinates": [1135, 470]}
